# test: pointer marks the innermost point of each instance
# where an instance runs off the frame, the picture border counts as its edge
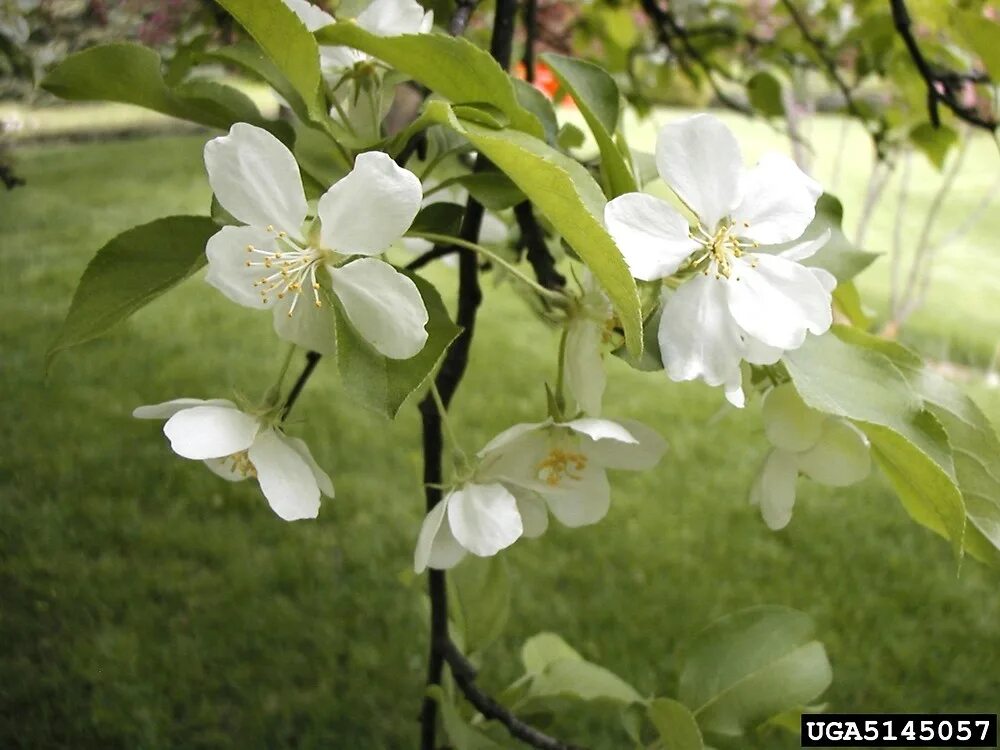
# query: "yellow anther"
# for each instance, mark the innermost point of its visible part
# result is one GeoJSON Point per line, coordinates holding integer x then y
{"type": "Point", "coordinates": [559, 464]}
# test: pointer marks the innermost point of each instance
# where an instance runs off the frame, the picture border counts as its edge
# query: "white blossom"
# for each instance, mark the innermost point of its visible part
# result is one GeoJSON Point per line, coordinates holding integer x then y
{"type": "Point", "coordinates": [589, 334]}
{"type": "Point", "coordinates": [236, 445]}
{"type": "Point", "coordinates": [827, 449]}
{"type": "Point", "coordinates": [380, 17]}
{"type": "Point", "coordinates": [280, 261]}
{"type": "Point", "coordinates": [739, 302]}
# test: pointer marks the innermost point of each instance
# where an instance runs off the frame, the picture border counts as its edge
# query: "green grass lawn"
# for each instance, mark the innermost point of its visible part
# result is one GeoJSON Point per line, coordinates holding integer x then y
{"type": "Point", "coordinates": [147, 604]}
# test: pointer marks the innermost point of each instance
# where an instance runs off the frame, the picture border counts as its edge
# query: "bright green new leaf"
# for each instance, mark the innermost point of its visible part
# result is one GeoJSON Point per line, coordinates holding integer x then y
{"type": "Point", "coordinates": [133, 74]}
{"type": "Point", "coordinates": [493, 189]}
{"type": "Point", "coordinates": [676, 725]}
{"type": "Point", "coordinates": [544, 649]}
{"type": "Point", "coordinates": [751, 665]}
{"type": "Point", "coordinates": [569, 198]}
{"type": "Point", "coordinates": [576, 678]}
{"type": "Point", "coordinates": [983, 36]}
{"type": "Point", "coordinates": [131, 271]}
{"type": "Point", "coordinates": [934, 142]}
{"type": "Point", "coordinates": [287, 42]}
{"type": "Point", "coordinates": [251, 59]}
{"type": "Point", "coordinates": [383, 384]}
{"type": "Point", "coordinates": [596, 95]}
{"type": "Point", "coordinates": [479, 600]}
{"type": "Point", "coordinates": [453, 67]}
{"type": "Point", "coordinates": [539, 105]}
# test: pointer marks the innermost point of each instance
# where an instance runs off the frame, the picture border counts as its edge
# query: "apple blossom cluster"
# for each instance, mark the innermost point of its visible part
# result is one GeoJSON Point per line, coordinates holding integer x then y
{"type": "Point", "coordinates": [729, 277]}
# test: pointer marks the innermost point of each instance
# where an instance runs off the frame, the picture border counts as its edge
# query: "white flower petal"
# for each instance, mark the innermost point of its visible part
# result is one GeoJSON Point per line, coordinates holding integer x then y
{"type": "Point", "coordinates": [698, 337]}
{"type": "Point", "coordinates": [225, 468]}
{"type": "Point", "coordinates": [807, 248]}
{"type": "Point", "coordinates": [644, 453]}
{"type": "Point", "coordinates": [313, 17]}
{"type": "Point", "coordinates": [392, 17]}
{"type": "Point", "coordinates": [323, 480]}
{"type": "Point", "coordinates": [210, 431]}
{"type": "Point", "coordinates": [582, 501]}
{"type": "Point", "coordinates": [826, 279]}
{"type": "Point", "coordinates": [334, 61]}
{"type": "Point", "coordinates": [534, 512]}
{"type": "Point", "coordinates": [227, 264]}
{"type": "Point", "coordinates": [840, 457]}
{"type": "Point", "coordinates": [733, 388]}
{"type": "Point", "coordinates": [310, 327]}
{"type": "Point", "coordinates": [774, 489]}
{"type": "Point", "coordinates": [371, 207]}
{"type": "Point", "coordinates": [383, 305]}
{"type": "Point", "coordinates": [584, 364]}
{"type": "Point", "coordinates": [778, 301]}
{"type": "Point", "coordinates": [285, 478]}
{"type": "Point", "coordinates": [436, 545]}
{"type": "Point", "coordinates": [699, 158]}
{"type": "Point", "coordinates": [788, 423]}
{"type": "Point", "coordinates": [511, 434]}
{"type": "Point", "coordinates": [167, 409]}
{"type": "Point", "coordinates": [256, 179]}
{"type": "Point", "coordinates": [602, 430]}
{"type": "Point", "coordinates": [652, 236]}
{"type": "Point", "coordinates": [758, 353]}
{"type": "Point", "coordinates": [484, 518]}
{"type": "Point", "coordinates": [778, 201]}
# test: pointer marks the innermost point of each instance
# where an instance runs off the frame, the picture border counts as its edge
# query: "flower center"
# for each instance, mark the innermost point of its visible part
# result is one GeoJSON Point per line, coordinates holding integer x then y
{"type": "Point", "coordinates": [559, 464]}
{"type": "Point", "coordinates": [289, 269]}
{"type": "Point", "coordinates": [240, 463]}
{"type": "Point", "coordinates": [721, 248]}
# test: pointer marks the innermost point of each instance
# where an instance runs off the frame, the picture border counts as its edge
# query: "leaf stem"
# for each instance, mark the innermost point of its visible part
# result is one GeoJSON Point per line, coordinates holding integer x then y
{"type": "Point", "coordinates": [449, 431]}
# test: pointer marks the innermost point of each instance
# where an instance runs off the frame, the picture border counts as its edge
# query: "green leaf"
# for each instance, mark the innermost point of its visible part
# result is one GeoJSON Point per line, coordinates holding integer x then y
{"type": "Point", "coordinates": [583, 680]}
{"type": "Point", "coordinates": [453, 67]}
{"type": "Point", "coordinates": [676, 725]}
{"type": "Point", "coordinates": [493, 189]}
{"type": "Point", "coordinates": [839, 256]}
{"type": "Point", "coordinates": [539, 105]}
{"type": "Point", "coordinates": [972, 440]}
{"type": "Point", "coordinates": [461, 735]}
{"type": "Point", "coordinates": [544, 649]}
{"type": "Point", "coordinates": [251, 59]}
{"type": "Point", "coordinates": [133, 74]}
{"type": "Point", "coordinates": [131, 271]}
{"type": "Point", "coordinates": [862, 384]}
{"type": "Point", "coordinates": [569, 198]}
{"type": "Point", "coordinates": [439, 218]}
{"type": "Point", "coordinates": [383, 384]}
{"type": "Point", "coordinates": [764, 92]}
{"type": "Point", "coordinates": [847, 300]}
{"type": "Point", "coordinates": [751, 665]}
{"type": "Point", "coordinates": [479, 598]}
{"type": "Point", "coordinates": [596, 95]}
{"type": "Point", "coordinates": [286, 41]}
{"type": "Point", "coordinates": [983, 36]}
{"type": "Point", "coordinates": [934, 142]}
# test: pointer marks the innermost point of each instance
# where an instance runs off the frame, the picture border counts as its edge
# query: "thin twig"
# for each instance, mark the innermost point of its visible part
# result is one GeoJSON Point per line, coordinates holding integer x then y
{"type": "Point", "coordinates": [465, 677]}
{"type": "Point", "coordinates": [530, 34]}
{"type": "Point", "coordinates": [438, 251]}
{"type": "Point", "coordinates": [940, 86]}
{"type": "Point", "coordinates": [312, 359]}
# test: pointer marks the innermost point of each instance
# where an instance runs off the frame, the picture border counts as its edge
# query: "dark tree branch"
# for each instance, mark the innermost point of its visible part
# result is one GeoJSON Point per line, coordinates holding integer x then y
{"type": "Point", "coordinates": [940, 87]}
{"type": "Point", "coordinates": [668, 29]}
{"type": "Point", "coordinates": [461, 17]}
{"type": "Point", "coordinates": [312, 359]}
{"type": "Point", "coordinates": [537, 253]}
{"type": "Point", "coordinates": [465, 677]}
{"type": "Point", "coordinates": [438, 251]}
{"type": "Point", "coordinates": [530, 37]}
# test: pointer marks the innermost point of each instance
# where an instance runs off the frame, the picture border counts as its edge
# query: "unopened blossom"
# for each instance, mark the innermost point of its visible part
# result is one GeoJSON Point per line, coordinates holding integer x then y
{"type": "Point", "coordinates": [827, 449]}
{"type": "Point", "coordinates": [589, 335]}
{"type": "Point", "coordinates": [737, 301]}
{"type": "Point", "coordinates": [380, 17]}
{"type": "Point", "coordinates": [282, 262]}
{"type": "Point", "coordinates": [525, 472]}
{"type": "Point", "coordinates": [236, 446]}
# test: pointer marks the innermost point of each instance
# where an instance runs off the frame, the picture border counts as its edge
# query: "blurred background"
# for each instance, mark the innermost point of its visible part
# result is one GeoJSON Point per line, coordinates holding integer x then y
{"type": "Point", "coordinates": [143, 603]}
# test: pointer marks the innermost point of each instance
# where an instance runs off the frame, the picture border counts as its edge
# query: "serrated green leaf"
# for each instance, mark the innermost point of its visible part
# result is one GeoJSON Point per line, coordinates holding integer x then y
{"type": "Point", "coordinates": [251, 59]}
{"type": "Point", "coordinates": [133, 74]}
{"type": "Point", "coordinates": [131, 271]}
{"type": "Point", "coordinates": [569, 198]}
{"type": "Point", "coordinates": [751, 665]}
{"type": "Point", "coordinates": [493, 189]}
{"type": "Point", "coordinates": [859, 383]}
{"type": "Point", "coordinates": [383, 384]}
{"type": "Point", "coordinates": [539, 105]}
{"type": "Point", "coordinates": [479, 599]}
{"type": "Point", "coordinates": [596, 95]}
{"type": "Point", "coordinates": [584, 680]}
{"type": "Point", "coordinates": [286, 41]}
{"type": "Point", "coordinates": [450, 66]}
{"type": "Point", "coordinates": [676, 725]}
